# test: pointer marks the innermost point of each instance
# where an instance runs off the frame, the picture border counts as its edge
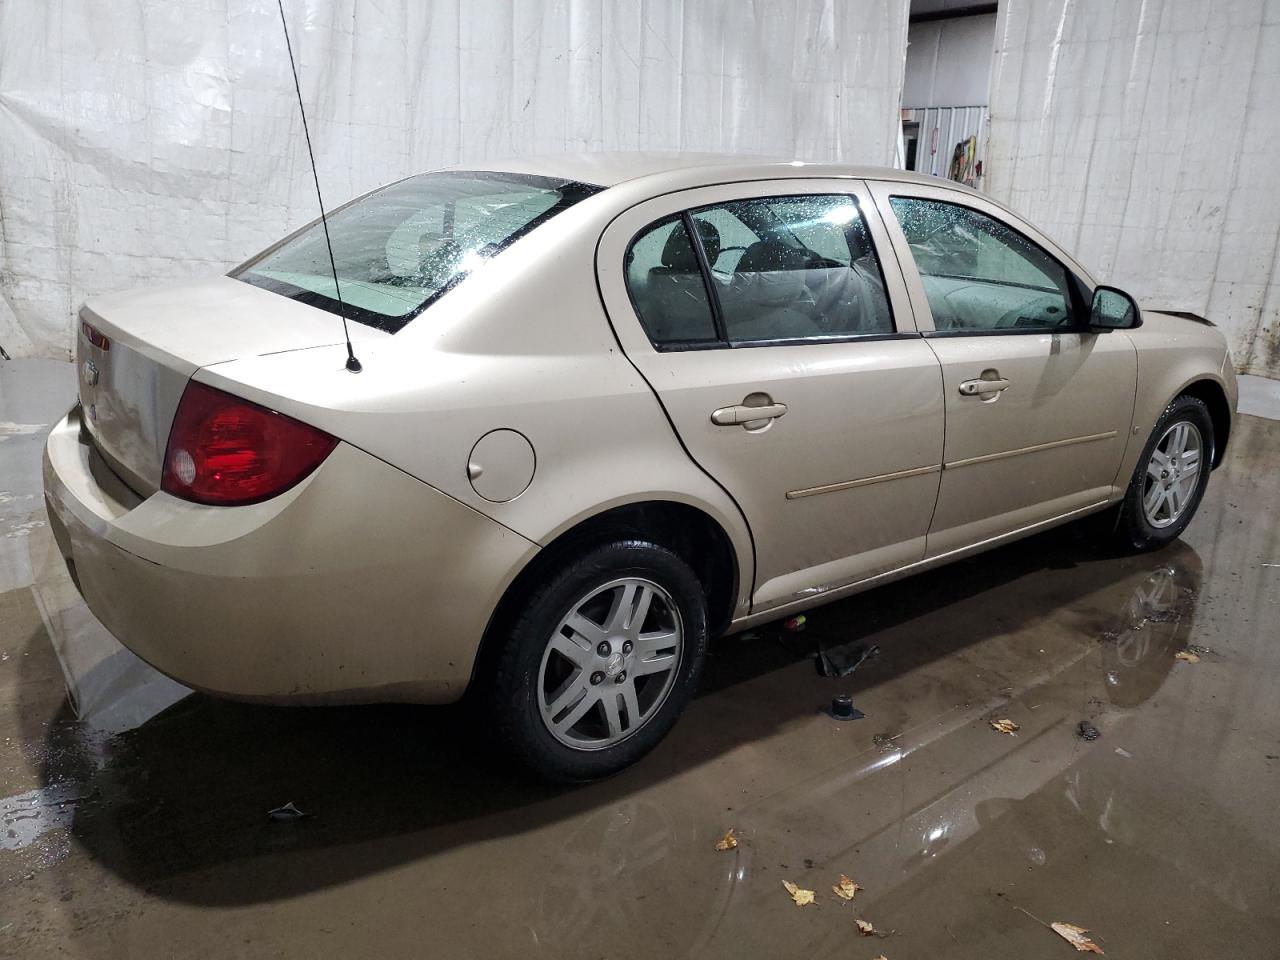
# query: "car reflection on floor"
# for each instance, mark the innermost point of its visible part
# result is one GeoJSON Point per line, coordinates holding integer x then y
{"type": "Point", "coordinates": [1135, 614]}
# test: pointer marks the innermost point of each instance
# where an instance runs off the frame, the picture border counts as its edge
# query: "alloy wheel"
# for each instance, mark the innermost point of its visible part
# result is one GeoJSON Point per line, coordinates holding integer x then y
{"type": "Point", "coordinates": [1172, 474]}
{"type": "Point", "coordinates": [610, 664]}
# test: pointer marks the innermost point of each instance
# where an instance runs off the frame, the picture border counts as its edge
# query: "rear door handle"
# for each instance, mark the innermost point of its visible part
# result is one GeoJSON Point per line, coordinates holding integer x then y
{"type": "Point", "coordinates": [978, 388]}
{"type": "Point", "coordinates": [741, 414]}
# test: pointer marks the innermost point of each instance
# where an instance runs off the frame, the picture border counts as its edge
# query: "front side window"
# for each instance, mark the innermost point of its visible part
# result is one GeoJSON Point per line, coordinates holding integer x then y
{"type": "Point", "coordinates": [980, 274]}
{"type": "Point", "coordinates": [400, 248]}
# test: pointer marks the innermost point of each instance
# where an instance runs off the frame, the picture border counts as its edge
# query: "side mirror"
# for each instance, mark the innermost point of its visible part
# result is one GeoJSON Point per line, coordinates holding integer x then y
{"type": "Point", "coordinates": [1113, 309]}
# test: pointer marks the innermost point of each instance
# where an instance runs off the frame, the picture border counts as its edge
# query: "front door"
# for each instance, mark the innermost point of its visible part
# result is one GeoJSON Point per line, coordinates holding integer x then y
{"type": "Point", "coordinates": [1038, 408]}
{"type": "Point", "coordinates": [789, 365]}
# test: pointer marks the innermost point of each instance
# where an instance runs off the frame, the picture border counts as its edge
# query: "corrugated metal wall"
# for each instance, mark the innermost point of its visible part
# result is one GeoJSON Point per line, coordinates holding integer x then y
{"type": "Point", "coordinates": [941, 128]}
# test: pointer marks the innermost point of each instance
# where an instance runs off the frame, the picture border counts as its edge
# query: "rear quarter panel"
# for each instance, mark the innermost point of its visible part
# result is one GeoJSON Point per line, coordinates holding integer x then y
{"type": "Point", "coordinates": [522, 345]}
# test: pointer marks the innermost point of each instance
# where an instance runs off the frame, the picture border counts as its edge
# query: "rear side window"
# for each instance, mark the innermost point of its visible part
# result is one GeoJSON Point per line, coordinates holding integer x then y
{"type": "Point", "coordinates": [771, 270]}
{"type": "Point", "coordinates": [800, 268]}
{"type": "Point", "coordinates": [667, 288]}
{"type": "Point", "coordinates": [980, 274]}
{"type": "Point", "coordinates": [400, 248]}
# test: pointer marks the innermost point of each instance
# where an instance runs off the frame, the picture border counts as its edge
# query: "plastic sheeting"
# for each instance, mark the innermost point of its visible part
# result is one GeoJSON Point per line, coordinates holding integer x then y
{"type": "Point", "coordinates": [160, 139]}
{"type": "Point", "coordinates": [1145, 136]}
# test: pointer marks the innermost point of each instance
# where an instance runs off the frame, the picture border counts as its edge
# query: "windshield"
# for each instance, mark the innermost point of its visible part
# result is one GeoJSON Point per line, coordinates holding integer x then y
{"type": "Point", "coordinates": [400, 248]}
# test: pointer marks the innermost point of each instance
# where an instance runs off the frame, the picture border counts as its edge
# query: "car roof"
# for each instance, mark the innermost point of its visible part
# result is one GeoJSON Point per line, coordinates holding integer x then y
{"type": "Point", "coordinates": [609, 169]}
{"type": "Point", "coordinates": [650, 173]}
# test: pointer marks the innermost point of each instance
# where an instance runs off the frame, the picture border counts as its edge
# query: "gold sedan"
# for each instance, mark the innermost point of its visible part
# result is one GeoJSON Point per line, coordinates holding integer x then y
{"type": "Point", "coordinates": [607, 406]}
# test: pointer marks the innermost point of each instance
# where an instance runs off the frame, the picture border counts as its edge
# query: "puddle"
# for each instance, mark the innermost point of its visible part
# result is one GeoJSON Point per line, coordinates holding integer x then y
{"type": "Point", "coordinates": [8, 430]}
{"type": "Point", "coordinates": [37, 827]}
{"type": "Point", "coordinates": [26, 817]}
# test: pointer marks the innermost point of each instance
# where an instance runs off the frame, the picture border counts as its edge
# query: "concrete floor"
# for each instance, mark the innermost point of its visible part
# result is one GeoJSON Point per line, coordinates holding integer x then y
{"type": "Point", "coordinates": [135, 817]}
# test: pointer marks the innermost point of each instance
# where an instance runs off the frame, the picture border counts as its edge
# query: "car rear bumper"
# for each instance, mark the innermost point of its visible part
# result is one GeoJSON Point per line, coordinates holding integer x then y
{"type": "Point", "coordinates": [360, 584]}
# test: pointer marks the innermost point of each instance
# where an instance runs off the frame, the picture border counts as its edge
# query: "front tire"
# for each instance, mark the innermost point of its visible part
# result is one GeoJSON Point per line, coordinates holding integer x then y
{"type": "Point", "coordinates": [600, 662]}
{"type": "Point", "coordinates": [1170, 478]}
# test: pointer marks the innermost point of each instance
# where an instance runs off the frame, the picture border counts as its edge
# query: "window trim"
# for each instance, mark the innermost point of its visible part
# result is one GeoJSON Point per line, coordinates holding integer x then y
{"type": "Point", "coordinates": [1076, 287]}
{"type": "Point", "coordinates": [722, 340]}
{"type": "Point", "coordinates": [708, 282]}
{"type": "Point", "coordinates": [669, 346]}
{"type": "Point", "coordinates": [1002, 332]}
{"type": "Point", "coordinates": [820, 341]}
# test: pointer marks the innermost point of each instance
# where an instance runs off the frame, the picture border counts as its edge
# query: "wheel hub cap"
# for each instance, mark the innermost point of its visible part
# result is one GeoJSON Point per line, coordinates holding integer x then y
{"type": "Point", "coordinates": [1172, 474]}
{"type": "Point", "coordinates": [629, 614]}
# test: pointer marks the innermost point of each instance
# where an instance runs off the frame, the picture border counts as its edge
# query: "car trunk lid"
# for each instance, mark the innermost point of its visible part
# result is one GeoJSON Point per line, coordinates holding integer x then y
{"type": "Point", "coordinates": [136, 351]}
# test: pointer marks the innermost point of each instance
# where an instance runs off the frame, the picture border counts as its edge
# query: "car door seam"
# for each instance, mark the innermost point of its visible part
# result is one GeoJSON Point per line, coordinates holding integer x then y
{"type": "Point", "coordinates": [1133, 413]}
{"type": "Point", "coordinates": [911, 305]}
{"type": "Point", "coordinates": [873, 189]}
{"type": "Point", "coordinates": [942, 453]}
{"type": "Point", "coordinates": [604, 307]}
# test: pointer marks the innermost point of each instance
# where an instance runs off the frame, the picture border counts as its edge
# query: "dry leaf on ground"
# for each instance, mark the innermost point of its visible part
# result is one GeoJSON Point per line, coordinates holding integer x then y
{"type": "Point", "coordinates": [865, 928]}
{"type": "Point", "coordinates": [1186, 655]}
{"type": "Point", "coordinates": [728, 841]}
{"type": "Point", "coordinates": [1076, 937]}
{"type": "Point", "coordinates": [846, 888]}
{"type": "Point", "coordinates": [801, 897]}
{"type": "Point", "coordinates": [1004, 726]}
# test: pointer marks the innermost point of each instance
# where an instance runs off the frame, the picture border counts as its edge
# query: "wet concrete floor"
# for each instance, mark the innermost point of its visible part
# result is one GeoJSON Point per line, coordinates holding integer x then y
{"type": "Point", "coordinates": [133, 818]}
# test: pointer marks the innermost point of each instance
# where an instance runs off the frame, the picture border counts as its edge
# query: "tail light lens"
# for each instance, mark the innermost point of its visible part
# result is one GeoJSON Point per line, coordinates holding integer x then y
{"type": "Point", "coordinates": [226, 451]}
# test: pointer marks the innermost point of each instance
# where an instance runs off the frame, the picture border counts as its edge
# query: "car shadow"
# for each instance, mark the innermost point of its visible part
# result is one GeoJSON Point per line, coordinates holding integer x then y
{"type": "Point", "coordinates": [178, 806]}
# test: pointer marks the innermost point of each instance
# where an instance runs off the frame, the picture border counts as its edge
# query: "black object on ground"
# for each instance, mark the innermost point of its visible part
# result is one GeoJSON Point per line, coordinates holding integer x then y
{"type": "Point", "coordinates": [1088, 731]}
{"type": "Point", "coordinates": [286, 813]}
{"type": "Point", "coordinates": [842, 708]}
{"type": "Point", "coordinates": [842, 660]}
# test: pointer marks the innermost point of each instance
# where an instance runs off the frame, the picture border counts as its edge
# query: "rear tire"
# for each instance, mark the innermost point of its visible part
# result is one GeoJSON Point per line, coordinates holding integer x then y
{"type": "Point", "coordinates": [1169, 480]}
{"type": "Point", "coordinates": [600, 662]}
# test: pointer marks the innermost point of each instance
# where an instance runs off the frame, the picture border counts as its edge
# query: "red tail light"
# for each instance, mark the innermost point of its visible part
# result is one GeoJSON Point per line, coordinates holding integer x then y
{"type": "Point", "coordinates": [226, 451]}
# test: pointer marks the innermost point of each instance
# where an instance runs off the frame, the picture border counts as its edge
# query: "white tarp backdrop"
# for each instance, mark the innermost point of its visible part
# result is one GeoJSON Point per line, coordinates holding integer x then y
{"type": "Point", "coordinates": [1144, 135]}
{"type": "Point", "coordinates": [160, 139]}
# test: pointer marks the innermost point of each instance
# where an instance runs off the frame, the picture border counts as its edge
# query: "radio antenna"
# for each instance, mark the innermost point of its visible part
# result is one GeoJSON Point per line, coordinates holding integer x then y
{"type": "Point", "coordinates": [352, 363]}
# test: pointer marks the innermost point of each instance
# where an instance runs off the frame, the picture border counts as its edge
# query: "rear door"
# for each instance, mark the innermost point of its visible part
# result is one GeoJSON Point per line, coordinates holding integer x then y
{"type": "Point", "coordinates": [788, 361]}
{"type": "Point", "coordinates": [1038, 407]}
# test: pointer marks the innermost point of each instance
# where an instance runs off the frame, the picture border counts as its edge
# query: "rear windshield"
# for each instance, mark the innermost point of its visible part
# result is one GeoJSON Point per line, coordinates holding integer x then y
{"type": "Point", "coordinates": [400, 248]}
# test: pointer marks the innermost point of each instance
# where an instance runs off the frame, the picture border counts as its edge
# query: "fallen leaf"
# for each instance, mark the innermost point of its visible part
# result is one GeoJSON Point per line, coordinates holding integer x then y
{"type": "Point", "coordinates": [1004, 726]}
{"type": "Point", "coordinates": [1076, 937]}
{"type": "Point", "coordinates": [728, 841]}
{"type": "Point", "coordinates": [865, 928]}
{"type": "Point", "coordinates": [846, 888]}
{"type": "Point", "coordinates": [1186, 655]}
{"type": "Point", "coordinates": [801, 897]}
{"type": "Point", "coordinates": [882, 957]}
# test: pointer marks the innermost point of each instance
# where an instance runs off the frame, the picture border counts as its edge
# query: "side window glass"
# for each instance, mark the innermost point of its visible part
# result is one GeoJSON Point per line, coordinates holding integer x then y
{"type": "Point", "coordinates": [806, 269]}
{"type": "Point", "coordinates": [980, 274]}
{"type": "Point", "coordinates": [666, 285]}
{"type": "Point", "coordinates": [732, 238]}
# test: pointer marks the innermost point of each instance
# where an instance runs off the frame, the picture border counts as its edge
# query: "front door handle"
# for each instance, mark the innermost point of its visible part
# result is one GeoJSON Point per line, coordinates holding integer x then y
{"type": "Point", "coordinates": [750, 417]}
{"type": "Point", "coordinates": [980, 388]}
